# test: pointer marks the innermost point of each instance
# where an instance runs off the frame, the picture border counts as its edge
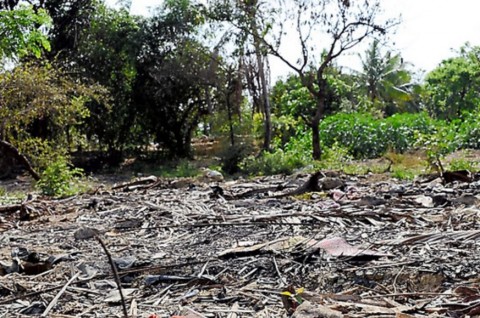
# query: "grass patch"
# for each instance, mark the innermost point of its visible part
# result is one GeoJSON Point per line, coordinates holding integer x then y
{"type": "Point", "coordinates": [14, 197]}
{"type": "Point", "coordinates": [178, 169]}
{"type": "Point", "coordinates": [462, 164]}
{"type": "Point", "coordinates": [403, 174]}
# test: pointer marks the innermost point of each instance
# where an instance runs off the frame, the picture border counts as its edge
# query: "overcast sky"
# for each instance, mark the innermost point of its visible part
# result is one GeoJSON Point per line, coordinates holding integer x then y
{"type": "Point", "coordinates": [430, 29]}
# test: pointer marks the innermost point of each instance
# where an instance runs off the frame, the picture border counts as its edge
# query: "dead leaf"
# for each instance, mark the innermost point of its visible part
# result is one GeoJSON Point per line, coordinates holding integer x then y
{"type": "Point", "coordinates": [114, 295]}
{"type": "Point", "coordinates": [338, 246]}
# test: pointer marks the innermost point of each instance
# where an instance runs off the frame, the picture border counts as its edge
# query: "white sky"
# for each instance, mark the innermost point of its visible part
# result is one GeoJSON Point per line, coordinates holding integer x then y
{"type": "Point", "coordinates": [429, 31]}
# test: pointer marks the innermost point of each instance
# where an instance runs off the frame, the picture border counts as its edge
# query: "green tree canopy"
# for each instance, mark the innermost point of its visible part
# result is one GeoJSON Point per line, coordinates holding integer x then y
{"type": "Point", "coordinates": [41, 110]}
{"type": "Point", "coordinates": [454, 86]}
{"type": "Point", "coordinates": [107, 53]}
{"type": "Point", "coordinates": [174, 72]}
{"type": "Point", "coordinates": [21, 32]}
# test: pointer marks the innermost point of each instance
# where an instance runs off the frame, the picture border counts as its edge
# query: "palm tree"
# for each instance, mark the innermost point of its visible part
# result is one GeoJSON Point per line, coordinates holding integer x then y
{"type": "Point", "coordinates": [385, 80]}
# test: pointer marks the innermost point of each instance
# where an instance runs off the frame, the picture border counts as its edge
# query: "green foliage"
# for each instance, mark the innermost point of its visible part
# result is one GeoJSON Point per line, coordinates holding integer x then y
{"type": "Point", "coordinates": [385, 81]}
{"type": "Point", "coordinates": [41, 109]}
{"type": "Point", "coordinates": [59, 179]}
{"type": "Point", "coordinates": [454, 86]}
{"type": "Point", "coordinates": [403, 174]}
{"type": "Point", "coordinates": [367, 137]}
{"type": "Point", "coordinates": [292, 98]}
{"type": "Point", "coordinates": [462, 164]}
{"type": "Point", "coordinates": [185, 169]}
{"type": "Point", "coordinates": [401, 130]}
{"type": "Point", "coordinates": [335, 157]}
{"type": "Point", "coordinates": [11, 197]}
{"type": "Point", "coordinates": [296, 153]}
{"type": "Point", "coordinates": [232, 157]}
{"type": "Point", "coordinates": [463, 133]}
{"type": "Point", "coordinates": [270, 163]}
{"type": "Point", "coordinates": [467, 134]}
{"type": "Point", "coordinates": [20, 32]}
{"type": "Point", "coordinates": [437, 145]}
{"type": "Point", "coordinates": [181, 169]}
{"type": "Point", "coordinates": [286, 127]}
{"type": "Point", "coordinates": [107, 51]}
{"type": "Point", "coordinates": [174, 74]}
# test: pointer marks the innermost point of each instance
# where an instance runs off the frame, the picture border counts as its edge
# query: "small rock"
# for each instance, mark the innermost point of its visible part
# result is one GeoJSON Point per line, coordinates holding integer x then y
{"type": "Point", "coordinates": [466, 199]}
{"type": "Point", "coordinates": [440, 199]}
{"type": "Point", "coordinates": [331, 183]}
{"type": "Point", "coordinates": [371, 201]}
{"type": "Point", "coordinates": [85, 233]}
{"type": "Point", "coordinates": [212, 175]}
{"type": "Point", "coordinates": [309, 310]}
{"type": "Point", "coordinates": [425, 201]}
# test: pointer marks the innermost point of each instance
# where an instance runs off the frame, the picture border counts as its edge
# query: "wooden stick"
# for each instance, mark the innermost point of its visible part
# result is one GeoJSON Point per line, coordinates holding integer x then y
{"type": "Point", "coordinates": [59, 294]}
{"type": "Point", "coordinates": [115, 275]}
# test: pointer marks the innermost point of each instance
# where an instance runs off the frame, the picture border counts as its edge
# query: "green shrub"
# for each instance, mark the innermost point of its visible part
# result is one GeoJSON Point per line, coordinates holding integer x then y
{"type": "Point", "coordinates": [276, 162]}
{"type": "Point", "coordinates": [461, 164]}
{"type": "Point", "coordinates": [232, 157]}
{"type": "Point", "coordinates": [285, 128]}
{"type": "Point", "coordinates": [181, 169]}
{"type": "Point", "coordinates": [335, 157]}
{"type": "Point", "coordinates": [403, 174]}
{"type": "Point", "coordinates": [468, 131]}
{"type": "Point", "coordinates": [360, 133]}
{"type": "Point", "coordinates": [59, 179]}
{"type": "Point", "coordinates": [367, 137]}
{"type": "Point", "coordinates": [402, 130]}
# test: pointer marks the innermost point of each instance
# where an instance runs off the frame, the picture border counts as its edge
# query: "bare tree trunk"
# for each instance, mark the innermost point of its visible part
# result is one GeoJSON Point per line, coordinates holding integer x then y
{"type": "Point", "coordinates": [207, 129]}
{"type": "Point", "coordinates": [9, 148]}
{"type": "Point", "coordinates": [230, 121]}
{"type": "Point", "coordinates": [315, 122]}
{"type": "Point", "coordinates": [257, 43]}
{"type": "Point", "coordinates": [266, 101]}
{"type": "Point", "coordinates": [317, 149]}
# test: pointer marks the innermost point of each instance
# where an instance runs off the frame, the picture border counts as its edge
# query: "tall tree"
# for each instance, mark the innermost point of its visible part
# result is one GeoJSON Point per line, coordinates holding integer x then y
{"type": "Point", "coordinates": [108, 52]}
{"type": "Point", "coordinates": [251, 9]}
{"type": "Point", "coordinates": [41, 109]}
{"type": "Point", "coordinates": [174, 70]}
{"type": "Point", "coordinates": [339, 25]}
{"type": "Point", "coordinates": [250, 20]}
{"type": "Point", "coordinates": [385, 80]}
{"type": "Point", "coordinates": [70, 19]}
{"type": "Point", "coordinates": [454, 86]}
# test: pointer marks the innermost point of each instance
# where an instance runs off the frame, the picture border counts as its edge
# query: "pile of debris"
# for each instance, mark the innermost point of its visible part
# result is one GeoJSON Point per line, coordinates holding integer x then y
{"type": "Point", "coordinates": [321, 245]}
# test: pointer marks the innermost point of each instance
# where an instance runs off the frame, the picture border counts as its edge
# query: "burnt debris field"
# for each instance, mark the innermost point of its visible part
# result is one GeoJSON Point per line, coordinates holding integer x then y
{"type": "Point", "coordinates": [322, 245]}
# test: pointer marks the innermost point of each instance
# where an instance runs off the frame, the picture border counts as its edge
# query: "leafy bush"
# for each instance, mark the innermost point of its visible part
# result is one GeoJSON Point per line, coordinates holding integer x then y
{"type": "Point", "coordinates": [468, 131]}
{"type": "Point", "coordinates": [59, 179]}
{"type": "Point", "coordinates": [361, 134]}
{"type": "Point", "coordinates": [402, 129]}
{"type": "Point", "coordinates": [286, 127]}
{"type": "Point", "coordinates": [232, 157]}
{"type": "Point", "coordinates": [276, 162]}
{"type": "Point", "coordinates": [462, 164]}
{"type": "Point", "coordinates": [335, 157]}
{"type": "Point", "coordinates": [181, 169]}
{"type": "Point", "coordinates": [403, 174]}
{"type": "Point", "coordinates": [367, 137]}
{"type": "Point", "coordinates": [289, 154]}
